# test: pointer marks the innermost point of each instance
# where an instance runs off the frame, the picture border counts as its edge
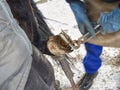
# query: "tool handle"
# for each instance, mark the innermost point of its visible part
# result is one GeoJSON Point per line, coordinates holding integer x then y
{"type": "Point", "coordinates": [87, 36]}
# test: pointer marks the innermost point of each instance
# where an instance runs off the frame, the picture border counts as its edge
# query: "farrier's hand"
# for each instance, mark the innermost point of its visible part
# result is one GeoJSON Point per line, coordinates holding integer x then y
{"type": "Point", "coordinates": [110, 22]}
{"type": "Point", "coordinates": [57, 46]}
{"type": "Point", "coordinates": [81, 18]}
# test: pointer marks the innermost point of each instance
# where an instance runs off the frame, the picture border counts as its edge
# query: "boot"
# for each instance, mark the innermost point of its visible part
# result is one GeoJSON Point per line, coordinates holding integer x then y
{"type": "Point", "coordinates": [87, 81]}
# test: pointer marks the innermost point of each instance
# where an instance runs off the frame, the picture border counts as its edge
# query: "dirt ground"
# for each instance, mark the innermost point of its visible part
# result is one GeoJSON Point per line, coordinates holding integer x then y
{"type": "Point", "coordinates": [59, 17]}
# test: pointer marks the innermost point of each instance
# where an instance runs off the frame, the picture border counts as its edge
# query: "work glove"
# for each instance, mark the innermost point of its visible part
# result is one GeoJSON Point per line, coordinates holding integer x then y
{"type": "Point", "coordinates": [57, 46]}
{"type": "Point", "coordinates": [82, 20]}
{"type": "Point", "coordinates": [110, 21]}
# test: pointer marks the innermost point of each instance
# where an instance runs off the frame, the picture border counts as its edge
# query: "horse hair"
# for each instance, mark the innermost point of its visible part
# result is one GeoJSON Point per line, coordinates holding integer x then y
{"type": "Point", "coordinates": [31, 20]}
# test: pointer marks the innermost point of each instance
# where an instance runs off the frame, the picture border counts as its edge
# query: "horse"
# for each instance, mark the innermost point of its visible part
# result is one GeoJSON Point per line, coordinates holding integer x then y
{"type": "Point", "coordinates": [31, 20]}
{"type": "Point", "coordinates": [94, 9]}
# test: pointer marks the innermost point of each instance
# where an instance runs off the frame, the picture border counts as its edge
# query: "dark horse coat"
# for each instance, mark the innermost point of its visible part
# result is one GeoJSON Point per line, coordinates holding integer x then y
{"type": "Point", "coordinates": [41, 76]}
{"type": "Point", "coordinates": [31, 20]}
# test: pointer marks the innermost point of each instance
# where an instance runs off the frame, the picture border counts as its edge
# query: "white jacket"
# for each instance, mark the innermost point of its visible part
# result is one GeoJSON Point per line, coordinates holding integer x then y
{"type": "Point", "coordinates": [15, 51]}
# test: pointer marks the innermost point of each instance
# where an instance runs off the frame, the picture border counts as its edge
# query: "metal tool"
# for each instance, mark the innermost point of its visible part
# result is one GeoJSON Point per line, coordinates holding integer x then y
{"type": "Point", "coordinates": [87, 36]}
{"type": "Point", "coordinates": [75, 44]}
{"type": "Point", "coordinates": [72, 43]}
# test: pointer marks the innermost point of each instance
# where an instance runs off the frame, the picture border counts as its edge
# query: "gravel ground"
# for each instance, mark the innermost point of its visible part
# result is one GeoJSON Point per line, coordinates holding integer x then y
{"type": "Point", "coordinates": [59, 17]}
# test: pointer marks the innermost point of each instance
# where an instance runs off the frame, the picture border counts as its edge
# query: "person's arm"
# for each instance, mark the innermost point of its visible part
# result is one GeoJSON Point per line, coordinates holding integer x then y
{"type": "Point", "coordinates": [15, 51]}
{"type": "Point", "coordinates": [79, 12]}
{"type": "Point", "coordinates": [110, 21]}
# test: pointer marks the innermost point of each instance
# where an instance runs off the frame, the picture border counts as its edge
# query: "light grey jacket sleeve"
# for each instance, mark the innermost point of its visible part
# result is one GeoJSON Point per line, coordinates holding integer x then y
{"type": "Point", "coordinates": [15, 51]}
